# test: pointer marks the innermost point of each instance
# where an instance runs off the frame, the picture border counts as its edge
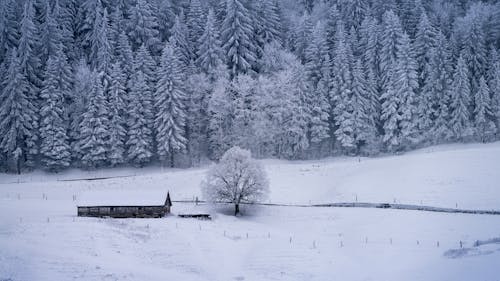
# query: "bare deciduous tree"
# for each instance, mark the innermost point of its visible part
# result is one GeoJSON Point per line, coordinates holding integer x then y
{"type": "Point", "coordinates": [236, 179]}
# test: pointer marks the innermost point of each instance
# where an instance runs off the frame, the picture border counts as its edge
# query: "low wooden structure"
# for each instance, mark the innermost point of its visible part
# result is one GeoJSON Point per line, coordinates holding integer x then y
{"type": "Point", "coordinates": [196, 216]}
{"type": "Point", "coordinates": [126, 211]}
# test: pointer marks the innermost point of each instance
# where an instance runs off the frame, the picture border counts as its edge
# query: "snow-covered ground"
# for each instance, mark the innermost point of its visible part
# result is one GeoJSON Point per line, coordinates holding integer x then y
{"type": "Point", "coordinates": [42, 239]}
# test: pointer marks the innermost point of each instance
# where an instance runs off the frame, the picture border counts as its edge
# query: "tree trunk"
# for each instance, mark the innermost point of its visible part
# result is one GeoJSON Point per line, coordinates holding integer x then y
{"type": "Point", "coordinates": [236, 209]}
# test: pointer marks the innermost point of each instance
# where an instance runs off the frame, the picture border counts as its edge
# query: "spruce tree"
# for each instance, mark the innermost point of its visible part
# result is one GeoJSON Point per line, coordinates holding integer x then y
{"type": "Point", "coordinates": [210, 52]}
{"type": "Point", "coordinates": [195, 23]}
{"type": "Point", "coordinates": [236, 37]}
{"type": "Point", "coordinates": [364, 130]}
{"type": "Point", "coordinates": [341, 95]}
{"type": "Point", "coordinates": [143, 27]}
{"type": "Point", "coordinates": [94, 127]}
{"type": "Point", "coordinates": [399, 106]}
{"type": "Point", "coordinates": [117, 111]}
{"type": "Point", "coordinates": [180, 42]}
{"type": "Point", "coordinates": [54, 148]}
{"type": "Point", "coordinates": [460, 102]}
{"type": "Point", "coordinates": [390, 37]}
{"type": "Point", "coordinates": [139, 135]}
{"type": "Point", "coordinates": [170, 98]}
{"type": "Point", "coordinates": [17, 116]}
{"type": "Point", "coordinates": [485, 128]}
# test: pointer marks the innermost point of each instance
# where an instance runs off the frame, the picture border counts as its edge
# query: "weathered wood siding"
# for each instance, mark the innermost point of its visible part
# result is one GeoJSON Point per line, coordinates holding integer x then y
{"type": "Point", "coordinates": [124, 211]}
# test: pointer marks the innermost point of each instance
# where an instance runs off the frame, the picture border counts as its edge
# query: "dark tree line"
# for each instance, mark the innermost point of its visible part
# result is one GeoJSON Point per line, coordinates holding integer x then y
{"type": "Point", "coordinates": [101, 83]}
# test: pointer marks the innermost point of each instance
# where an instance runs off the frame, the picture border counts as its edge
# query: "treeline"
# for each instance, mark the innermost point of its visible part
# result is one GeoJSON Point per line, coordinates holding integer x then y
{"type": "Point", "coordinates": [101, 83]}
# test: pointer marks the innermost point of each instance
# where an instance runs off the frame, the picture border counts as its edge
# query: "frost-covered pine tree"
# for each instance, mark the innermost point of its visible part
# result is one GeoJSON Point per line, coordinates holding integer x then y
{"type": "Point", "coordinates": [143, 27]}
{"type": "Point", "coordinates": [50, 31]}
{"type": "Point", "coordinates": [364, 130]}
{"type": "Point", "coordinates": [94, 127]}
{"type": "Point", "coordinates": [368, 41]}
{"type": "Point", "coordinates": [460, 102]}
{"type": "Point", "coordinates": [124, 55]}
{"type": "Point", "coordinates": [17, 117]}
{"type": "Point", "coordinates": [145, 64]}
{"type": "Point", "coordinates": [54, 147]}
{"type": "Point", "coordinates": [9, 34]}
{"type": "Point", "coordinates": [100, 51]}
{"type": "Point", "coordinates": [271, 22]}
{"type": "Point", "coordinates": [494, 85]}
{"type": "Point", "coordinates": [485, 128]}
{"type": "Point", "coordinates": [117, 97]}
{"type": "Point", "coordinates": [170, 108]}
{"type": "Point", "coordinates": [391, 33]}
{"type": "Point", "coordinates": [399, 105]}
{"type": "Point", "coordinates": [236, 37]}
{"type": "Point", "coordinates": [437, 90]}
{"type": "Point", "coordinates": [341, 94]}
{"type": "Point", "coordinates": [474, 52]}
{"type": "Point", "coordinates": [81, 91]}
{"type": "Point", "coordinates": [315, 54]}
{"type": "Point", "coordinates": [139, 135]}
{"type": "Point", "coordinates": [180, 42]}
{"type": "Point", "coordinates": [195, 24]}
{"type": "Point", "coordinates": [210, 54]}
{"type": "Point", "coordinates": [30, 67]}
{"type": "Point", "coordinates": [425, 40]}
{"type": "Point", "coordinates": [320, 107]}
{"type": "Point", "coordinates": [304, 34]}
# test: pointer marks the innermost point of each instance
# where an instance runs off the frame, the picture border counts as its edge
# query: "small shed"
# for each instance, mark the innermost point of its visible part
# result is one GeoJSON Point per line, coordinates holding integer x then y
{"type": "Point", "coordinates": [117, 211]}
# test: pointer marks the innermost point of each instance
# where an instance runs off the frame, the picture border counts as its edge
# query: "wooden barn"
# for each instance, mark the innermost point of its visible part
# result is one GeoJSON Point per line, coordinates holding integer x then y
{"type": "Point", "coordinates": [116, 211]}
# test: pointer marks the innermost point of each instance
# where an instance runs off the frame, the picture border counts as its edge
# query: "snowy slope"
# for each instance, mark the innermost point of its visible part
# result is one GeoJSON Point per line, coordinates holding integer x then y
{"type": "Point", "coordinates": [41, 239]}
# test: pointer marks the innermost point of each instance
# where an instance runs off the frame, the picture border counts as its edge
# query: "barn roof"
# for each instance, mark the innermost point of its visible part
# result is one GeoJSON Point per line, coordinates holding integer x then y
{"type": "Point", "coordinates": [122, 198]}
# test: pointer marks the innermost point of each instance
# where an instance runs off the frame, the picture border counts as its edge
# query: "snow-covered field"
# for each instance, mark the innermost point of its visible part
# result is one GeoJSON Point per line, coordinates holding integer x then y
{"type": "Point", "coordinates": [42, 239]}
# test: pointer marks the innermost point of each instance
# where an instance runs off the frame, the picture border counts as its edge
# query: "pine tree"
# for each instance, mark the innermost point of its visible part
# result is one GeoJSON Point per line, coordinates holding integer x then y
{"type": "Point", "coordinates": [320, 107]}
{"type": "Point", "coordinates": [304, 36]}
{"type": "Point", "coordinates": [195, 23]}
{"type": "Point", "coordinates": [30, 67]}
{"type": "Point", "coordinates": [425, 40]}
{"type": "Point", "coordinates": [100, 53]}
{"type": "Point", "coordinates": [123, 54]}
{"type": "Point", "coordinates": [315, 55]}
{"type": "Point", "coordinates": [88, 14]}
{"type": "Point", "coordinates": [139, 135]}
{"type": "Point", "coordinates": [353, 12]}
{"type": "Point", "coordinates": [331, 27]}
{"type": "Point", "coordinates": [411, 12]}
{"type": "Point", "coordinates": [145, 64]}
{"type": "Point", "coordinates": [474, 53]}
{"type": "Point", "coordinates": [9, 28]}
{"type": "Point", "coordinates": [17, 116]}
{"type": "Point", "coordinates": [341, 96]}
{"type": "Point", "coordinates": [399, 100]}
{"type": "Point", "coordinates": [368, 44]}
{"type": "Point", "coordinates": [271, 22]}
{"type": "Point", "coordinates": [485, 128]}
{"type": "Point", "coordinates": [54, 147]}
{"type": "Point", "coordinates": [117, 105]}
{"type": "Point", "coordinates": [180, 42]}
{"type": "Point", "coordinates": [210, 52]}
{"type": "Point", "coordinates": [170, 119]}
{"type": "Point", "coordinates": [50, 32]}
{"type": "Point", "coordinates": [390, 37]}
{"type": "Point", "coordinates": [460, 102]}
{"type": "Point", "coordinates": [143, 27]}
{"type": "Point", "coordinates": [437, 91]}
{"type": "Point", "coordinates": [364, 130]}
{"type": "Point", "coordinates": [494, 85]}
{"type": "Point", "coordinates": [94, 127]}
{"type": "Point", "coordinates": [81, 91]}
{"type": "Point", "coordinates": [236, 37]}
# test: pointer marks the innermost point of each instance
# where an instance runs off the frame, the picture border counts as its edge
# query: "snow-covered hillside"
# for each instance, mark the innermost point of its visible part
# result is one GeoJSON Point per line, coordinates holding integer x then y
{"type": "Point", "coordinates": [41, 239]}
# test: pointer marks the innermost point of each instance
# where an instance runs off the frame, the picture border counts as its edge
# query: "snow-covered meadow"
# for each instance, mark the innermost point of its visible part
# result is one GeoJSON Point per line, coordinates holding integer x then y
{"type": "Point", "coordinates": [42, 239]}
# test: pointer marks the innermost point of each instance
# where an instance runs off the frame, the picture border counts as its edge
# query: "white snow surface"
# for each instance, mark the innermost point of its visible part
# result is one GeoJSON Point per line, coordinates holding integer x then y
{"type": "Point", "coordinates": [42, 239]}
